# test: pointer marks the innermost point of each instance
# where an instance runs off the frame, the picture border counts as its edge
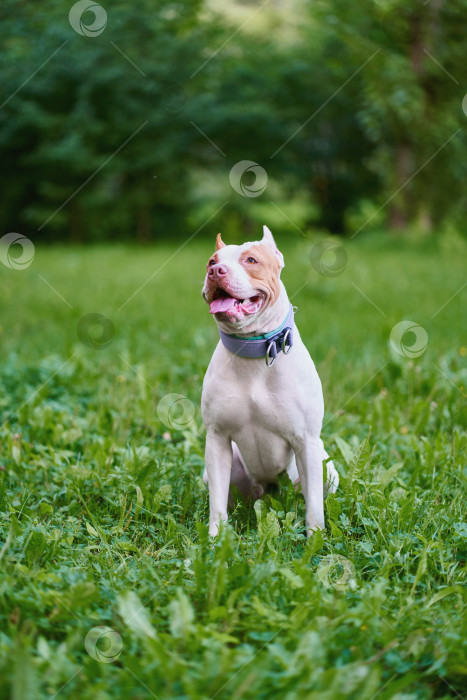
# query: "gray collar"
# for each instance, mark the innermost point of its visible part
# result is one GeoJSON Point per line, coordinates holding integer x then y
{"type": "Point", "coordinates": [268, 345]}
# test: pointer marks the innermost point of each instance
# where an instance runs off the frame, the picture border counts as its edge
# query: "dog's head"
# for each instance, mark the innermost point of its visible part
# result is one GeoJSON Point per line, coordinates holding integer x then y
{"type": "Point", "coordinates": [243, 280]}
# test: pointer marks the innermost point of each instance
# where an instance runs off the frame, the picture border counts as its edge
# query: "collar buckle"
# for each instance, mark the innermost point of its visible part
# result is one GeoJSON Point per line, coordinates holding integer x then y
{"type": "Point", "coordinates": [287, 341]}
{"type": "Point", "coordinates": [271, 353]}
{"type": "Point", "coordinates": [283, 341]}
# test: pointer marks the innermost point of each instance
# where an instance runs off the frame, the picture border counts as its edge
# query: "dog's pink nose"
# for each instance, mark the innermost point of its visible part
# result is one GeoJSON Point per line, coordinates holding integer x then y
{"type": "Point", "coordinates": [218, 270]}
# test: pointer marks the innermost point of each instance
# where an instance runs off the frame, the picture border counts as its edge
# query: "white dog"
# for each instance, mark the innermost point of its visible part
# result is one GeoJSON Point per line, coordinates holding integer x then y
{"type": "Point", "coordinates": [262, 401]}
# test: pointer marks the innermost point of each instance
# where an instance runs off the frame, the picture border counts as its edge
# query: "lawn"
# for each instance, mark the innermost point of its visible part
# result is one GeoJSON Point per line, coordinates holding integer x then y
{"type": "Point", "coordinates": [109, 584]}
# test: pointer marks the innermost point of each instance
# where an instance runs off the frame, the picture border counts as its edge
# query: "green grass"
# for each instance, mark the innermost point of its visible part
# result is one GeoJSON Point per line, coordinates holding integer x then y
{"type": "Point", "coordinates": [103, 511]}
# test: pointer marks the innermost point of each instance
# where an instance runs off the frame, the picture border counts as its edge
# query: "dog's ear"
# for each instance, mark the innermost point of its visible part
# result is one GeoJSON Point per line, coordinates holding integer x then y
{"type": "Point", "coordinates": [268, 240]}
{"type": "Point", "coordinates": [219, 242]}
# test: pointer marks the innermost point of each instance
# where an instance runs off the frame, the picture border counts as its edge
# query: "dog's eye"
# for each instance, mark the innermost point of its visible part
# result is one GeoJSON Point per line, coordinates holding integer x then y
{"type": "Point", "coordinates": [211, 262]}
{"type": "Point", "coordinates": [252, 261]}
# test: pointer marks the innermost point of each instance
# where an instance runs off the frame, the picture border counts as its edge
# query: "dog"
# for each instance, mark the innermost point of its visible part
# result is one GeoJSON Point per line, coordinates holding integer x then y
{"type": "Point", "coordinates": [262, 401]}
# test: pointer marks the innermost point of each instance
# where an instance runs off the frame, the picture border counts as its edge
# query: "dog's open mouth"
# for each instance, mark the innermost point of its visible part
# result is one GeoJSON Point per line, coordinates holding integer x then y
{"type": "Point", "coordinates": [224, 303]}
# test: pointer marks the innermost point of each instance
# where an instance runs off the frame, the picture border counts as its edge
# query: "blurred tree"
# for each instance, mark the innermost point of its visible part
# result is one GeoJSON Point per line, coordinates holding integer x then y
{"type": "Point", "coordinates": [110, 109]}
{"type": "Point", "coordinates": [409, 98]}
{"type": "Point", "coordinates": [259, 109]}
{"type": "Point", "coordinates": [131, 131]}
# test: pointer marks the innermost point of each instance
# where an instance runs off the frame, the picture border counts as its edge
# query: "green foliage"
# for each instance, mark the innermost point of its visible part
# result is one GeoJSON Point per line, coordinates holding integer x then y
{"type": "Point", "coordinates": [409, 99]}
{"type": "Point", "coordinates": [132, 133]}
{"type": "Point", "coordinates": [79, 111]}
{"type": "Point", "coordinates": [109, 584]}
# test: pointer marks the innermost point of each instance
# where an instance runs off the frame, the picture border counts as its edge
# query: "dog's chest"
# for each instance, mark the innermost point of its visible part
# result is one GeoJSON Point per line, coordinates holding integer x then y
{"type": "Point", "coordinates": [235, 399]}
{"type": "Point", "coordinates": [256, 407]}
{"type": "Point", "coordinates": [284, 399]}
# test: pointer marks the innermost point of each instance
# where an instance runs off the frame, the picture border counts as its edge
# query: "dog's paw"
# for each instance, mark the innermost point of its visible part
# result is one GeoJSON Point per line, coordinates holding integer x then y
{"type": "Point", "coordinates": [257, 491]}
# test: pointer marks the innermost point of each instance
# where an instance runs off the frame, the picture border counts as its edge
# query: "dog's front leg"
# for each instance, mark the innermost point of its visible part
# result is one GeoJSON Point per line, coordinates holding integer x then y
{"type": "Point", "coordinates": [218, 469]}
{"type": "Point", "coordinates": [308, 456]}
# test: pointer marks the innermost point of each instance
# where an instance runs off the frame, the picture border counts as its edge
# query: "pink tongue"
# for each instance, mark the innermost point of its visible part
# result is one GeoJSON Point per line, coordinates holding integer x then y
{"type": "Point", "coordinates": [221, 305]}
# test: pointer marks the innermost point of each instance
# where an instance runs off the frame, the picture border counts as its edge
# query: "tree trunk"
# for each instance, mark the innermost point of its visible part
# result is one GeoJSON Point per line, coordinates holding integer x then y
{"type": "Point", "coordinates": [400, 205]}
{"type": "Point", "coordinates": [144, 224]}
{"type": "Point", "coordinates": [76, 223]}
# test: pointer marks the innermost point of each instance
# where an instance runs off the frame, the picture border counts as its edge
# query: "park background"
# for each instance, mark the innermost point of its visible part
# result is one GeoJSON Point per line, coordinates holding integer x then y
{"type": "Point", "coordinates": [121, 131]}
{"type": "Point", "coordinates": [343, 107]}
